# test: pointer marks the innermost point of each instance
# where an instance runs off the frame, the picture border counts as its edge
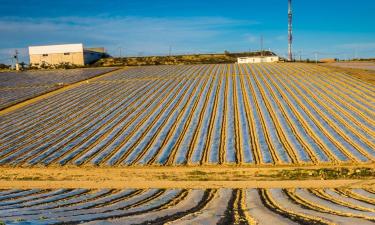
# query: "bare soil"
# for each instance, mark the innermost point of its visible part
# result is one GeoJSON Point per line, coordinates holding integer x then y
{"type": "Point", "coordinates": [188, 177]}
{"type": "Point", "coordinates": [362, 71]}
{"type": "Point", "coordinates": [355, 65]}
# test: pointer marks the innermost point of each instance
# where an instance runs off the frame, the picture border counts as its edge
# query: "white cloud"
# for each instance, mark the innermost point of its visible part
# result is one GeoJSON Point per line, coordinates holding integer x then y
{"type": "Point", "coordinates": [134, 34]}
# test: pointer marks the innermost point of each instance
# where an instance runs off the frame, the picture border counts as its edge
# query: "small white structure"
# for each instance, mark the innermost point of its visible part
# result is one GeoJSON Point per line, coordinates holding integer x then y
{"type": "Point", "coordinates": [68, 53]}
{"type": "Point", "coordinates": [258, 59]}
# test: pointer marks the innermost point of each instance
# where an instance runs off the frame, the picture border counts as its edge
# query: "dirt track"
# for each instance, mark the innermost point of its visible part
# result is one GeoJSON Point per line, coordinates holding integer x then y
{"type": "Point", "coordinates": [169, 177]}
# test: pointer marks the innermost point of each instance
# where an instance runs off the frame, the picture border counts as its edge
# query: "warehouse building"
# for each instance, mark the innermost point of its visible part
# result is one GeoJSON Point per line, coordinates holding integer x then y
{"type": "Point", "coordinates": [258, 59]}
{"type": "Point", "coordinates": [74, 54]}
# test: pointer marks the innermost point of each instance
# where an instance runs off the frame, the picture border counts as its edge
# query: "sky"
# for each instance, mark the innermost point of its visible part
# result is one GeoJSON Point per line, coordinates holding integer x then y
{"type": "Point", "coordinates": [332, 28]}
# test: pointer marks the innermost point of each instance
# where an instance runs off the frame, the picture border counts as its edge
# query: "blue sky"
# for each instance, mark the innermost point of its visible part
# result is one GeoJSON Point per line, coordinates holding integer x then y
{"type": "Point", "coordinates": [333, 28]}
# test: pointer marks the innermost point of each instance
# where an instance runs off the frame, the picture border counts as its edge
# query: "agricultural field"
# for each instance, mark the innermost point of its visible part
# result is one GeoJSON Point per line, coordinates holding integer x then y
{"type": "Point", "coordinates": [17, 87]}
{"type": "Point", "coordinates": [191, 144]}
{"type": "Point", "coordinates": [188, 206]}
{"type": "Point", "coordinates": [276, 114]}
{"type": "Point", "coordinates": [354, 65]}
{"type": "Point", "coordinates": [364, 71]}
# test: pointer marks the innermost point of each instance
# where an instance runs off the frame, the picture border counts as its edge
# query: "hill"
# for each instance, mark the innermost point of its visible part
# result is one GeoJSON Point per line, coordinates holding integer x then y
{"type": "Point", "coordinates": [179, 59]}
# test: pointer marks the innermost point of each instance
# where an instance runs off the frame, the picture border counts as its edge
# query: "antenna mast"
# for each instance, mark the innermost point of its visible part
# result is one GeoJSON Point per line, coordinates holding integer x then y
{"type": "Point", "coordinates": [17, 62]}
{"type": "Point", "coordinates": [290, 32]}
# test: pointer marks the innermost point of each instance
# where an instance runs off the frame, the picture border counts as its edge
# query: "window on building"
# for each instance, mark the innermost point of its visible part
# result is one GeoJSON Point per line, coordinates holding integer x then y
{"type": "Point", "coordinates": [66, 53]}
{"type": "Point", "coordinates": [45, 55]}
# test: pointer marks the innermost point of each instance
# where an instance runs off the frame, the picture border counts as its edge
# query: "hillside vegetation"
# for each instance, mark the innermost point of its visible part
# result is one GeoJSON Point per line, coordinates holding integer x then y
{"type": "Point", "coordinates": [226, 57]}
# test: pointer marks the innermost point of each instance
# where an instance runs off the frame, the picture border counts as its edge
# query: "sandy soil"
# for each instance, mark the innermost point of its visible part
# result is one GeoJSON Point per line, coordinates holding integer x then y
{"type": "Point", "coordinates": [362, 71]}
{"type": "Point", "coordinates": [355, 65]}
{"type": "Point", "coordinates": [166, 177]}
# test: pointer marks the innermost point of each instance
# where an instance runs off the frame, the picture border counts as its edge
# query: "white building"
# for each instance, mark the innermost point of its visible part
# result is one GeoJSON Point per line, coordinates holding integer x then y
{"type": "Point", "coordinates": [258, 59]}
{"type": "Point", "coordinates": [74, 54]}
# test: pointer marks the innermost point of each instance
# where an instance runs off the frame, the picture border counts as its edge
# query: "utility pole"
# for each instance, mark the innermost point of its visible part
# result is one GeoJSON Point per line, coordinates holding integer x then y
{"type": "Point", "coordinates": [356, 53]}
{"type": "Point", "coordinates": [261, 45]}
{"type": "Point", "coordinates": [290, 30]}
{"type": "Point", "coordinates": [316, 57]}
{"type": "Point", "coordinates": [261, 48]}
{"type": "Point", "coordinates": [17, 62]}
{"type": "Point", "coordinates": [170, 50]}
{"type": "Point", "coordinates": [120, 51]}
{"type": "Point", "coordinates": [300, 55]}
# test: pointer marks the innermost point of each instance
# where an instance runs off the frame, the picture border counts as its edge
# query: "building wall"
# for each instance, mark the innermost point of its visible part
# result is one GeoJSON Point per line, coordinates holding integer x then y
{"type": "Point", "coordinates": [76, 58]}
{"type": "Point", "coordinates": [91, 56]}
{"type": "Point", "coordinates": [97, 49]}
{"type": "Point", "coordinates": [67, 53]}
{"type": "Point", "coordinates": [268, 59]}
{"type": "Point", "coordinates": [55, 49]}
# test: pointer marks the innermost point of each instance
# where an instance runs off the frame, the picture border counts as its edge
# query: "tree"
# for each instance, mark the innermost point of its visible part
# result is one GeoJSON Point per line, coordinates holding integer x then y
{"type": "Point", "coordinates": [4, 66]}
{"type": "Point", "coordinates": [23, 65]}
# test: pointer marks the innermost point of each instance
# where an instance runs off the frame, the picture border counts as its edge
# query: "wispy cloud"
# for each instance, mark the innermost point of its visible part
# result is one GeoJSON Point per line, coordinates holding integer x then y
{"type": "Point", "coordinates": [134, 34]}
{"type": "Point", "coordinates": [358, 46]}
{"type": "Point", "coordinates": [281, 38]}
{"type": "Point", "coordinates": [251, 38]}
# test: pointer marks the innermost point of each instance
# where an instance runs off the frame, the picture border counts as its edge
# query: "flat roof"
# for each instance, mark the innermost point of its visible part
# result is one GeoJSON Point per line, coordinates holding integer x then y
{"type": "Point", "coordinates": [51, 49]}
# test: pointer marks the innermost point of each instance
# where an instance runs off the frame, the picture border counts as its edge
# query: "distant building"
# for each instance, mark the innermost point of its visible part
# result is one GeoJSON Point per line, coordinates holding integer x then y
{"type": "Point", "coordinates": [258, 59]}
{"type": "Point", "coordinates": [74, 54]}
{"type": "Point", "coordinates": [328, 60]}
